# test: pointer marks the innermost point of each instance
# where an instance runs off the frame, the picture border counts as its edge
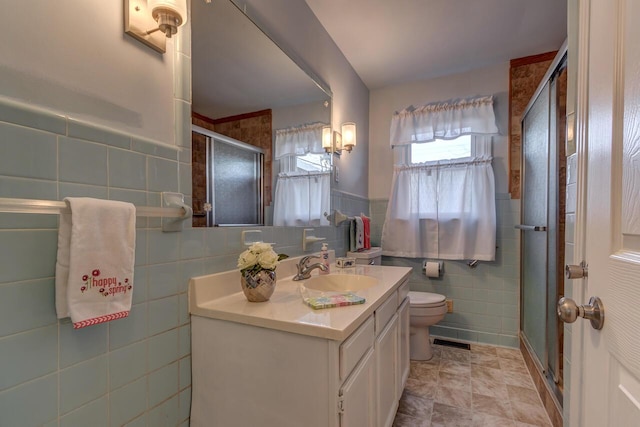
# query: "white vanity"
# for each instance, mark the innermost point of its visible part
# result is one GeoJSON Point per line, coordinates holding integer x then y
{"type": "Point", "coordinates": [281, 363]}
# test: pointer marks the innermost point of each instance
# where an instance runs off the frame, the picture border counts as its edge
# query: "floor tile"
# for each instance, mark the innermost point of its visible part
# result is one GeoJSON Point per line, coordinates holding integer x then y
{"type": "Point", "coordinates": [488, 374]}
{"type": "Point", "coordinates": [491, 405]}
{"type": "Point", "coordinates": [523, 394]}
{"type": "Point", "coordinates": [489, 388]}
{"type": "Point", "coordinates": [518, 379]}
{"type": "Point", "coordinates": [456, 354]}
{"type": "Point", "coordinates": [445, 416]}
{"type": "Point", "coordinates": [484, 349]}
{"type": "Point", "coordinates": [488, 360]}
{"type": "Point", "coordinates": [403, 420]}
{"type": "Point", "coordinates": [509, 353]}
{"type": "Point", "coordinates": [426, 389]}
{"type": "Point", "coordinates": [485, 420]}
{"type": "Point", "coordinates": [455, 367]}
{"type": "Point", "coordinates": [462, 382]}
{"type": "Point", "coordinates": [513, 365]}
{"type": "Point", "coordinates": [453, 397]}
{"type": "Point", "coordinates": [415, 406]}
{"type": "Point", "coordinates": [531, 414]}
{"type": "Point", "coordinates": [486, 386]}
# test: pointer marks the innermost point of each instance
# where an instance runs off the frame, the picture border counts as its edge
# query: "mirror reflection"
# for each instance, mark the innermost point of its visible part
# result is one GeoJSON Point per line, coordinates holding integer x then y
{"type": "Point", "coordinates": [257, 127]}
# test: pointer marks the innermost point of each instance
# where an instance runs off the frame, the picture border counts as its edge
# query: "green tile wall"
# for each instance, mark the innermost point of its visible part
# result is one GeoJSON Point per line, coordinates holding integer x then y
{"type": "Point", "coordinates": [485, 299]}
{"type": "Point", "coordinates": [134, 371]}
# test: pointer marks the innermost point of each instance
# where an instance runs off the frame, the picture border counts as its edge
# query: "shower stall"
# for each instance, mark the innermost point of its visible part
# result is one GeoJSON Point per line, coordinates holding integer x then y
{"type": "Point", "coordinates": [542, 224]}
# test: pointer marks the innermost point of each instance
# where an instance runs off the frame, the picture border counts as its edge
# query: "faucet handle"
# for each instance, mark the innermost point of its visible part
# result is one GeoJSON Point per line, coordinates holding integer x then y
{"type": "Point", "coordinates": [304, 260]}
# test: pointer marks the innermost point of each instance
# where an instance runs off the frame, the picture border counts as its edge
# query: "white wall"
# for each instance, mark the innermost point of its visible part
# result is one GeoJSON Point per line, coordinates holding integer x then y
{"type": "Point", "coordinates": [82, 64]}
{"type": "Point", "coordinates": [295, 28]}
{"type": "Point", "coordinates": [493, 80]}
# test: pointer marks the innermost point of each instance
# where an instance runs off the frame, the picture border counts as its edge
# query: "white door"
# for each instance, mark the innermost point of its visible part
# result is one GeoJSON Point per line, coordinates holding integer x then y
{"type": "Point", "coordinates": [605, 374]}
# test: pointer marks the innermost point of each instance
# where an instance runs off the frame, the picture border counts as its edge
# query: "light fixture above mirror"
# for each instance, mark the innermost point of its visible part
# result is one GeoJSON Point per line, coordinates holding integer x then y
{"type": "Point", "coordinates": [334, 142]}
{"type": "Point", "coordinates": [153, 21]}
{"type": "Point", "coordinates": [348, 136]}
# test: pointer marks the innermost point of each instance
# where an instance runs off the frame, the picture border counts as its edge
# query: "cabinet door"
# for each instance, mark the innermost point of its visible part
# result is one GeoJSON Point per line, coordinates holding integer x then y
{"type": "Point", "coordinates": [403, 345]}
{"type": "Point", "coordinates": [357, 395]}
{"type": "Point", "coordinates": [386, 348]}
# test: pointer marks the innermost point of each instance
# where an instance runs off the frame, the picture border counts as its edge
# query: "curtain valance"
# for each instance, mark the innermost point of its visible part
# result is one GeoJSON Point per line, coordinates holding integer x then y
{"type": "Point", "coordinates": [444, 120]}
{"type": "Point", "coordinates": [299, 140]}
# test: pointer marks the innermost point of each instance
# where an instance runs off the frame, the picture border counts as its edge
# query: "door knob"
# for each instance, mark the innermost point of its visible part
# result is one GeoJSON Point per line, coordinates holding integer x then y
{"type": "Point", "coordinates": [568, 311]}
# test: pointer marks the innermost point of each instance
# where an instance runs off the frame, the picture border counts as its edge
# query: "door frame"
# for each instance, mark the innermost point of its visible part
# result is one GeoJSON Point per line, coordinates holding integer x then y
{"type": "Point", "coordinates": [578, 288]}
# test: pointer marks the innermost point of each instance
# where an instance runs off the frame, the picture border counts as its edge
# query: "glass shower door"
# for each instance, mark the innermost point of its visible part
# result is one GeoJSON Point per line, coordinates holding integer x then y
{"type": "Point", "coordinates": [535, 184]}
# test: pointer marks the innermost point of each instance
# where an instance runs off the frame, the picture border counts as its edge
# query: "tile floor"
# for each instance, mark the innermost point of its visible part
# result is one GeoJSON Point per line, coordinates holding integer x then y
{"type": "Point", "coordinates": [485, 386]}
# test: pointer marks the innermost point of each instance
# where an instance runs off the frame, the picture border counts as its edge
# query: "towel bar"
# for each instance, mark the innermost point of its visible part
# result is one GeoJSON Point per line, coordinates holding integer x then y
{"type": "Point", "coordinates": [33, 206]}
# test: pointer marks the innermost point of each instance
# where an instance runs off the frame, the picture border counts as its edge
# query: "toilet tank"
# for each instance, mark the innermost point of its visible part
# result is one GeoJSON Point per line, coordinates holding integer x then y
{"type": "Point", "coordinates": [371, 256]}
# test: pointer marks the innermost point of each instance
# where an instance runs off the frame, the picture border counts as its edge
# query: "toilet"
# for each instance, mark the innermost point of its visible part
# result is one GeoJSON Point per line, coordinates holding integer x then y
{"type": "Point", "coordinates": [425, 309]}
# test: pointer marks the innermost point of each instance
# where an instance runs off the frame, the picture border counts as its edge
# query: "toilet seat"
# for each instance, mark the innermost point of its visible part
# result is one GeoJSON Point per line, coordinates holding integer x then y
{"type": "Point", "coordinates": [425, 299]}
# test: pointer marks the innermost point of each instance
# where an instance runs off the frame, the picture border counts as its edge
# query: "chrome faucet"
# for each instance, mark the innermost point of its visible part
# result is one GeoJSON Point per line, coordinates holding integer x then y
{"type": "Point", "coordinates": [304, 270]}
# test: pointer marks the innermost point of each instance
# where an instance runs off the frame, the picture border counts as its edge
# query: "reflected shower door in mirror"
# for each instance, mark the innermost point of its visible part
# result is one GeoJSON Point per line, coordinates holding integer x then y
{"type": "Point", "coordinates": [247, 89]}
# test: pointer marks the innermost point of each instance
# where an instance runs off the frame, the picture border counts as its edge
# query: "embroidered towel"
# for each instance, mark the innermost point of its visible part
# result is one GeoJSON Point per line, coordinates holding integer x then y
{"type": "Point", "coordinates": [94, 267]}
{"type": "Point", "coordinates": [359, 233]}
{"type": "Point", "coordinates": [367, 231]}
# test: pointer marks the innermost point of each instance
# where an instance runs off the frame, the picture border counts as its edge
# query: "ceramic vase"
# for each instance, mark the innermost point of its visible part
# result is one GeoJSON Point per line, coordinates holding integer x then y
{"type": "Point", "coordinates": [258, 287]}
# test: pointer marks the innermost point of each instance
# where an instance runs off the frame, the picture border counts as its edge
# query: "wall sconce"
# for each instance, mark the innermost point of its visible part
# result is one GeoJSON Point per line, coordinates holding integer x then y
{"type": "Point", "coordinates": [331, 141]}
{"type": "Point", "coordinates": [348, 136]}
{"type": "Point", "coordinates": [153, 21]}
{"type": "Point", "coordinates": [326, 139]}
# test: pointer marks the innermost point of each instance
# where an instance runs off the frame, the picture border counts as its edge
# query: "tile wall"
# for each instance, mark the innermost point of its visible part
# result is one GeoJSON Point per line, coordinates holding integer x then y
{"type": "Point", "coordinates": [135, 371]}
{"type": "Point", "coordinates": [486, 298]}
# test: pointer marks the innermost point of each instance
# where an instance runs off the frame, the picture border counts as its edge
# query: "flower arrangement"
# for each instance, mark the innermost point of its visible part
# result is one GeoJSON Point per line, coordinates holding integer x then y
{"type": "Point", "coordinates": [260, 256]}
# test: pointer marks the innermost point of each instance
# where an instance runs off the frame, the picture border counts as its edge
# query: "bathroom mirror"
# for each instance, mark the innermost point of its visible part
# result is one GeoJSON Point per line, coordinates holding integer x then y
{"type": "Point", "coordinates": [249, 98]}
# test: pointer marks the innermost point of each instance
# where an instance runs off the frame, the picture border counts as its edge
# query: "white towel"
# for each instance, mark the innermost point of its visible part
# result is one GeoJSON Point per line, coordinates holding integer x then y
{"type": "Point", "coordinates": [359, 233]}
{"type": "Point", "coordinates": [94, 267]}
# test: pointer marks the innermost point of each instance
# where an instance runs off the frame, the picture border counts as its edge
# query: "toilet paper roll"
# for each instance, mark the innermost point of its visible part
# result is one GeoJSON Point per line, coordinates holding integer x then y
{"type": "Point", "coordinates": [432, 269]}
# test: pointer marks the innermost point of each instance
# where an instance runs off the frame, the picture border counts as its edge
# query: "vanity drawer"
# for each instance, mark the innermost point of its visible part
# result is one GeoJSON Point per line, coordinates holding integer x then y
{"type": "Point", "coordinates": [352, 349]}
{"type": "Point", "coordinates": [403, 292]}
{"type": "Point", "coordinates": [385, 312]}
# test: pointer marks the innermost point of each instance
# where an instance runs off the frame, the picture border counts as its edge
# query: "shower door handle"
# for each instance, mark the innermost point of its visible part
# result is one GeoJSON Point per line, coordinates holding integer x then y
{"type": "Point", "coordinates": [568, 311]}
{"type": "Point", "coordinates": [531, 227]}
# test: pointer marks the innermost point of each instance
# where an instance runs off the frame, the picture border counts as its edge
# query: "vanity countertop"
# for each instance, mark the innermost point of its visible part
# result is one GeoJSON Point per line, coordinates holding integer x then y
{"type": "Point", "coordinates": [218, 296]}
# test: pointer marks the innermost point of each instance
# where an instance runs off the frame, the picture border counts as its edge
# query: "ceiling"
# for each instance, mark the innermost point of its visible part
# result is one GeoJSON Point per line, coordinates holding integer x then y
{"type": "Point", "coordinates": [389, 42]}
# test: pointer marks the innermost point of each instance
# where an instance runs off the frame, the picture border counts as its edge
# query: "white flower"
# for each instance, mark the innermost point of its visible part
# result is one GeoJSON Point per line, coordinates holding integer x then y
{"type": "Point", "coordinates": [260, 256]}
{"type": "Point", "coordinates": [247, 259]}
{"type": "Point", "coordinates": [268, 260]}
{"type": "Point", "coordinates": [260, 247]}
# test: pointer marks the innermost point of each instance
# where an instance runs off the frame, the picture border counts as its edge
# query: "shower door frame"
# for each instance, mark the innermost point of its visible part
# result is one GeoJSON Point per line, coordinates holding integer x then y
{"type": "Point", "coordinates": [553, 379]}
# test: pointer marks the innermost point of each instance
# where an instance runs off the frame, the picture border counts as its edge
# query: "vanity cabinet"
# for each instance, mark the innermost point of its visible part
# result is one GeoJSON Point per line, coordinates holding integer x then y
{"type": "Point", "coordinates": [386, 349]}
{"type": "Point", "coordinates": [248, 375]}
{"type": "Point", "coordinates": [357, 404]}
{"type": "Point", "coordinates": [403, 345]}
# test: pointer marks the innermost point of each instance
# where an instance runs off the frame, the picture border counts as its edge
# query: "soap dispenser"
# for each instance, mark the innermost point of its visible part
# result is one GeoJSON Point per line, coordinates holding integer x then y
{"type": "Point", "coordinates": [324, 254]}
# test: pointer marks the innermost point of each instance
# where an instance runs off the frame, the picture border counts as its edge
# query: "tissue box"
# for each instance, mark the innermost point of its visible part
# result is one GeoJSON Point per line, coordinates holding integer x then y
{"type": "Point", "coordinates": [345, 262]}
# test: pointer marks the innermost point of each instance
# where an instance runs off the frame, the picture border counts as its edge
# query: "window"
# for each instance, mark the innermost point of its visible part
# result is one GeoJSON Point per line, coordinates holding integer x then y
{"type": "Point", "coordinates": [442, 202]}
{"type": "Point", "coordinates": [440, 149]}
{"type": "Point", "coordinates": [312, 162]}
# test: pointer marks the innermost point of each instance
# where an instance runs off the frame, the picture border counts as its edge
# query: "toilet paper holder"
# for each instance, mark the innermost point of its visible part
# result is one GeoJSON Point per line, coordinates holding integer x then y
{"type": "Point", "coordinates": [433, 268]}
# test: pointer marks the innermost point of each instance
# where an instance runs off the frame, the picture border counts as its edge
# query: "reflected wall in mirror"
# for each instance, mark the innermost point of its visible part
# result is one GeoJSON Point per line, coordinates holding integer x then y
{"type": "Point", "coordinates": [257, 119]}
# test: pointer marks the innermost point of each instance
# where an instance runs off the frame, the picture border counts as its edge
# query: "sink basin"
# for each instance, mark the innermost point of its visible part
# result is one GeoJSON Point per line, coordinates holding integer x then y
{"type": "Point", "coordinates": [340, 283]}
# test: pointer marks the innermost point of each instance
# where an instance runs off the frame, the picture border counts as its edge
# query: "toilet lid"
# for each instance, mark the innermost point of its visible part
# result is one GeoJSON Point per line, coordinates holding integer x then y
{"type": "Point", "coordinates": [425, 299]}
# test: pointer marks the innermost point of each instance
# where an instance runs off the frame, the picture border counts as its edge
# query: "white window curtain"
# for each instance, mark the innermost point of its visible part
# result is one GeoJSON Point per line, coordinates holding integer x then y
{"type": "Point", "coordinates": [301, 199]}
{"type": "Point", "coordinates": [299, 140]}
{"type": "Point", "coordinates": [444, 120]}
{"type": "Point", "coordinates": [444, 209]}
